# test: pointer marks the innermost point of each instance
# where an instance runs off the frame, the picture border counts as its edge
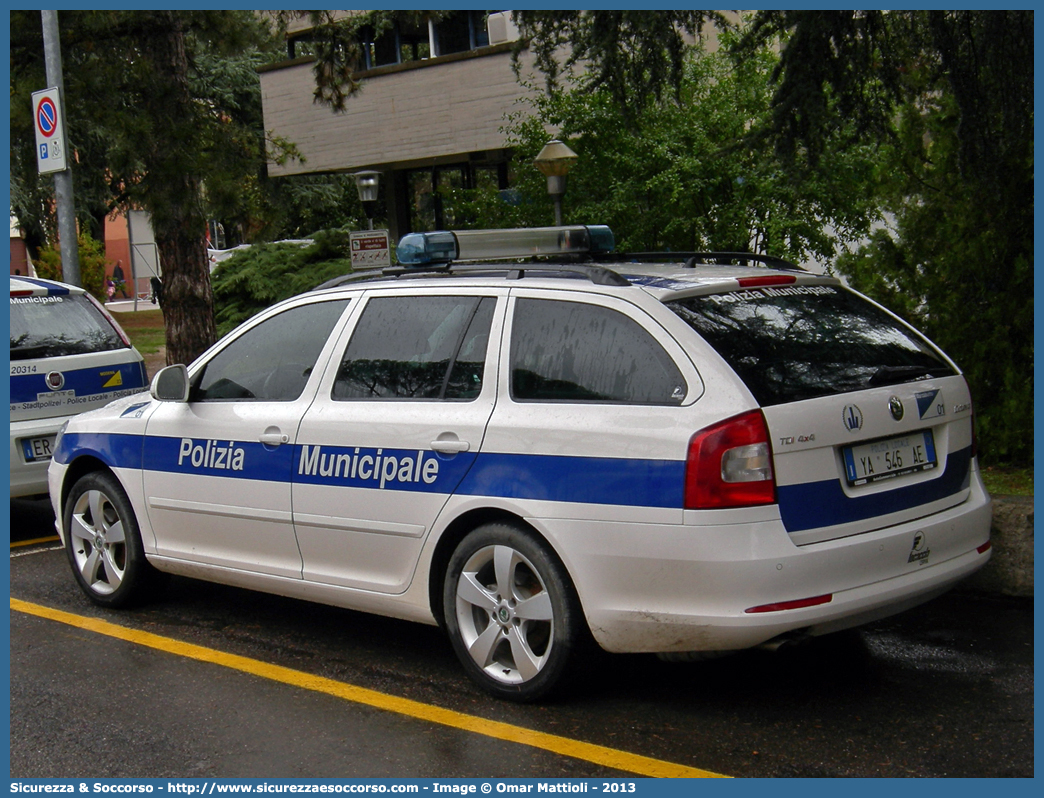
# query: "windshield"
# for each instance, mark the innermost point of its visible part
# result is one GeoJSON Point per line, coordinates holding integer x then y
{"type": "Point", "coordinates": [53, 326]}
{"type": "Point", "coordinates": [801, 342]}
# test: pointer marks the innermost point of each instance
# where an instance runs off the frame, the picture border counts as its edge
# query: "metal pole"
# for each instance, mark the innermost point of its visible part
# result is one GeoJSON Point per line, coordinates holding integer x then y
{"type": "Point", "coordinates": [63, 182]}
{"type": "Point", "coordinates": [130, 250]}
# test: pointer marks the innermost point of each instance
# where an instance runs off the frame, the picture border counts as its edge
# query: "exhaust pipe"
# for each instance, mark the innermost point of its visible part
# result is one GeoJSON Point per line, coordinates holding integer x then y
{"type": "Point", "coordinates": [785, 641]}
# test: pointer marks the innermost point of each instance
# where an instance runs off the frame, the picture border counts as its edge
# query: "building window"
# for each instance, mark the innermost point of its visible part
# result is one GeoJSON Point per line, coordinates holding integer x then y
{"type": "Point", "coordinates": [458, 32]}
{"type": "Point", "coordinates": [299, 46]}
{"type": "Point", "coordinates": [430, 190]}
{"type": "Point", "coordinates": [398, 45]}
{"type": "Point", "coordinates": [461, 31]}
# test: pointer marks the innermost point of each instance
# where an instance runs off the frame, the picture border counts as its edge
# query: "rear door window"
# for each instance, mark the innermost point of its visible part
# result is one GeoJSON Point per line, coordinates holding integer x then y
{"type": "Point", "coordinates": [55, 326]}
{"type": "Point", "coordinates": [417, 347]}
{"type": "Point", "coordinates": [577, 352]}
{"type": "Point", "coordinates": [801, 342]}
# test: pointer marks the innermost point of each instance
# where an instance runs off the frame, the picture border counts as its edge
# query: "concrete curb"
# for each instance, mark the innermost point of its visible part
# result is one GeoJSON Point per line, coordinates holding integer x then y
{"type": "Point", "coordinates": [1010, 569]}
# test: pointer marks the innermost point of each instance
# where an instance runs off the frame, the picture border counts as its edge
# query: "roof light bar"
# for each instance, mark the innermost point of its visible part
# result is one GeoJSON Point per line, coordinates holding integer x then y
{"type": "Point", "coordinates": [418, 249]}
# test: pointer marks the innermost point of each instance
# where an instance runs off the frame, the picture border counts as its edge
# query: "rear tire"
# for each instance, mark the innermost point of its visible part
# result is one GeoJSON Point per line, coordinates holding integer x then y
{"type": "Point", "coordinates": [103, 543]}
{"type": "Point", "coordinates": [511, 613]}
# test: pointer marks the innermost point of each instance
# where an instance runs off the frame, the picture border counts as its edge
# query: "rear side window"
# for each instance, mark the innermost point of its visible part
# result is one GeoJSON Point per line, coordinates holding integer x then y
{"type": "Point", "coordinates": [801, 342]}
{"type": "Point", "coordinates": [577, 352]}
{"type": "Point", "coordinates": [55, 326]}
{"type": "Point", "coordinates": [417, 347]}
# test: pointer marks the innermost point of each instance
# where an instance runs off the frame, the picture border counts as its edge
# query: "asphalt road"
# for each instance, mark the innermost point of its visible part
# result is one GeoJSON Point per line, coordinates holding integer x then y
{"type": "Point", "coordinates": [943, 690]}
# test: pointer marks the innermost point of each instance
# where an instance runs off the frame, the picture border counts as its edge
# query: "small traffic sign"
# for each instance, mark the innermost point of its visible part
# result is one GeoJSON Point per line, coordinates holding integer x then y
{"type": "Point", "coordinates": [50, 133]}
{"type": "Point", "coordinates": [47, 116]}
{"type": "Point", "coordinates": [370, 249]}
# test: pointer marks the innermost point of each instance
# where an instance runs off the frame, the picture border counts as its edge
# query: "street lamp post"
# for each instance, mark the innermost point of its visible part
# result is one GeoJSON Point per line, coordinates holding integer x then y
{"type": "Point", "coordinates": [554, 162]}
{"type": "Point", "coordinates": [366, 184]}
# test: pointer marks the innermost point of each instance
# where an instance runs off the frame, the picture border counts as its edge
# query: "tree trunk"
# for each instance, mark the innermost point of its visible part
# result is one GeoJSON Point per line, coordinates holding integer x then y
{"type": "Point", "coordinates": [188, 303]}
{"type": "Point", "coordinates": [173, 199]}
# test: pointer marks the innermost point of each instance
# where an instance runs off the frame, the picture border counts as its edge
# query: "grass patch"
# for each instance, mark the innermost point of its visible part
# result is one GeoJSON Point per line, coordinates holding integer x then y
{"type": "Point", "coordinates": [145, 329]}
{"type": "Point", "coordinates": [1008, 481]}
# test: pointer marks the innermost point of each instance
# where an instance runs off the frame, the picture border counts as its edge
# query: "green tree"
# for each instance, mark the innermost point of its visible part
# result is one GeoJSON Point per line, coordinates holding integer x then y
{"type": "Point", "coordinates": [253, 279]}
{"type": "Point", "coordinates": [301, 205]}
{"type": "Point", "coordinates": [681, 172]}
{"type": "Point", "coordinates": [951, 93]}
{"type": "Point", "coordinates": [958, 260]}
{"type": "Point", "coordinates": [948, 95]}
{"type": "Point", "coordinates": [632, 54]}
{"type": "Point", "coordinates": [92, 265]}
{"type": "Point", "coordinates": [161, 119]}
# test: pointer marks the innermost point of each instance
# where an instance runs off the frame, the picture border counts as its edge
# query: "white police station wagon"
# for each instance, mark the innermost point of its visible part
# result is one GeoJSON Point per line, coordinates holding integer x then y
{"type": "Point", "coordinates": [676, 458]}
{"type": "Point", "coordinates": [67, 355]}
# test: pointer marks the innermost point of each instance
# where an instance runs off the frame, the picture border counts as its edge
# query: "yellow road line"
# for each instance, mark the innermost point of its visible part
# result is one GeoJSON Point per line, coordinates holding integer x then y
{"type": "Point", "coordinates": [34, 541]}
{"type": "Point", "coordinates": [597, 754]}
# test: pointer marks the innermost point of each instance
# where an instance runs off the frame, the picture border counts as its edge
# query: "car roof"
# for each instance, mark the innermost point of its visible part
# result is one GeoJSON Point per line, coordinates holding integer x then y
{"type": "Point", "coordinates": [674, 280]}
{"type": "Point", "coordinates": [665, 281]}
{"type": "Point", "coordinates": [35, 286]}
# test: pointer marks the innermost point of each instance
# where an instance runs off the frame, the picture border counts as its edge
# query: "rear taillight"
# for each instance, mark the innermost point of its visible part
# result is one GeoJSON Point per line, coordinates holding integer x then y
{"type": "Point", "coordinates": [730, 465]}
{"type": "Point", "coordinates": [974, 436]}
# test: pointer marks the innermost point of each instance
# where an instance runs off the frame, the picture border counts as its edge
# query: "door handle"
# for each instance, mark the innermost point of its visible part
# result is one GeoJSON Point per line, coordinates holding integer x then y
{"type": "Point", "coordinates": [273, 437]}
{"type": "Point", "coordinates": [450, 446]}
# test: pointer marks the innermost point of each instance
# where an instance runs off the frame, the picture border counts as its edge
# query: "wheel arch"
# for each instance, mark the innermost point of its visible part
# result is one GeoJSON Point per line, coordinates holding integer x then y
{"type": "Point", "coordinates": [85, 464]}
{"type": "Point", "coordinates": [460, 528]}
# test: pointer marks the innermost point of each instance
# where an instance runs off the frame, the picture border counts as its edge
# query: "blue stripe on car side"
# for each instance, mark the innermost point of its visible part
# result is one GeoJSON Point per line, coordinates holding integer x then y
{"type": "Point", "coordinates": [85, 382]}
{"type": "Point", "coordinates": [588, 480]}
{"type": "Point", "coordinates": [584, 480]}
{"type": "Point", "coordinates": [811, 505]}
{"type": "Point", "coordinates": [219, 459]}
{"type": "Point", "coordinates": [115, 450]}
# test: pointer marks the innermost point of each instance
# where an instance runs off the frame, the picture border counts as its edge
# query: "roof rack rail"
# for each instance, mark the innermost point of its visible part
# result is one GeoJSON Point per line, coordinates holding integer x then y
{"type": "Point", "coordinates": [713, 258]}
{"type": "Point", "coordinates": [599, 275]}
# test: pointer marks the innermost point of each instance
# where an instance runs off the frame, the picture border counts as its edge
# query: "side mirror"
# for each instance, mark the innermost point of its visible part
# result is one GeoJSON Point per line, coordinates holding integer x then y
{"type": "Point", "coordinates": [171, 384]}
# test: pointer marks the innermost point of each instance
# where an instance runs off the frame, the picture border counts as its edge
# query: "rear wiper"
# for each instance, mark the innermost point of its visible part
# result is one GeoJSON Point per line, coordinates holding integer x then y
{"type": "Point", "coordinates": [893, 375]}
{"type": "Point", "coordinates": [29, 352]}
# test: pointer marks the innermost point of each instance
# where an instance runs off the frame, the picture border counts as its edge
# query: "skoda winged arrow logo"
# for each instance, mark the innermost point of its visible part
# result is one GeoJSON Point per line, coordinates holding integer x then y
{"type": "Point", "coordinates": [895, 407]}
{"type": "Point", "coordinates": [852, 417]}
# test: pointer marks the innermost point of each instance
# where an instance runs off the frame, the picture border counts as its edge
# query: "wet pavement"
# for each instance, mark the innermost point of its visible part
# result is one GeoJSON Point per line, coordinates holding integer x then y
{"type": "Point", "coordinates": [945, 689]}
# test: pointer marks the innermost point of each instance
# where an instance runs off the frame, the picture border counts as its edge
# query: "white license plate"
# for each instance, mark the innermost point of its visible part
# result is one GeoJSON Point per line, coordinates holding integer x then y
{"type": "Point", "coordinates": [890, 458]}
{"type": "Point", "coordinates": [34, 449]}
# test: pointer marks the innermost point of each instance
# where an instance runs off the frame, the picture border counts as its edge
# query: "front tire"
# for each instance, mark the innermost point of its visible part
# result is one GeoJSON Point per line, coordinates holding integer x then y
{"type": "Point", "coordinates": [103, 542]}
{"type": "Point", "coordinates": [511, 613]}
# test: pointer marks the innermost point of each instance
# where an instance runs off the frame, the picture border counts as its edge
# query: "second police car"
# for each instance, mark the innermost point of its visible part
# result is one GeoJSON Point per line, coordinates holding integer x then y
{"type": "Point", "coordinates": [68, 355]}
{"type": "Point", "coordinates": [667, 457]}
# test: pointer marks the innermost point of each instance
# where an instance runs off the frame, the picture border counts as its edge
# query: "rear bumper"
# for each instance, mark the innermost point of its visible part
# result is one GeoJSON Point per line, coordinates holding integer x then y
{"type": "Point", "coordinates": [642, 596]}
{"type": "Point", "coordinates": [30, 478]}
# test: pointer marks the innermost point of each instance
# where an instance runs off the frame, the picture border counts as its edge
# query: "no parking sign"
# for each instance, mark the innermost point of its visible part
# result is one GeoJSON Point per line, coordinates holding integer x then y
{"type": "Point", "coordinates": [50, 131]}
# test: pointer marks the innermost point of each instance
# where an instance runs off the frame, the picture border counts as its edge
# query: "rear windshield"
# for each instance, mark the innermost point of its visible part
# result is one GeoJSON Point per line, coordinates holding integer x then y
{"type": "Point", "coordinates": [801, 342]}
{"type": "Point", "coordinates": [53, 326]}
